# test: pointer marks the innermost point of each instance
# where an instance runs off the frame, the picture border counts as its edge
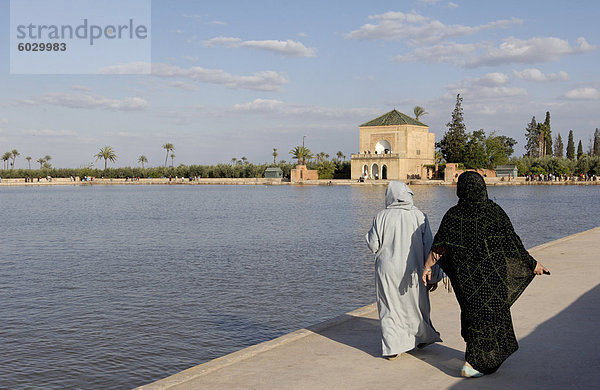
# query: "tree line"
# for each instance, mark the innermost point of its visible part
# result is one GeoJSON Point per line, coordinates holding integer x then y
{"type": "Point", "coordinates": [543, 153]}
{"type": "Point", "coordinates": [540, 143]}
{"type": "Point", "coordinates": [337, 168]}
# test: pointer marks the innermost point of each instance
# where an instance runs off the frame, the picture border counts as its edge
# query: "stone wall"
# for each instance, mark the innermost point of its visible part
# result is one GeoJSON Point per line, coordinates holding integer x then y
{"type": "Point", "coordinates": [301, 173]}
{"type": "Point", "coordinates": [453, 172]}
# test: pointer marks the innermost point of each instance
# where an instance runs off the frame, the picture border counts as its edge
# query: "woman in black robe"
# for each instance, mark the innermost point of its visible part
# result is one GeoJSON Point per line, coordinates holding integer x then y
{"type": "Point", "coordinates": [488, 267]}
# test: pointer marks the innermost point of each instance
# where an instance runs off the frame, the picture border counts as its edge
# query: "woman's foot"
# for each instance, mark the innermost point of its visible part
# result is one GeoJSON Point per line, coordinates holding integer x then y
{"type": "Point", "coordinates": [469, 372]}
{"type": "Point", "coordinates": [392, 357]}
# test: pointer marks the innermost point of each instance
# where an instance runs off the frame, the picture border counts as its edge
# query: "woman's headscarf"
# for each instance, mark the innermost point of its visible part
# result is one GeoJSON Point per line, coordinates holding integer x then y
{"type": "Point", "coordinates": [399, 195]}
{"type": "Point", "coordinates": [471, 188]}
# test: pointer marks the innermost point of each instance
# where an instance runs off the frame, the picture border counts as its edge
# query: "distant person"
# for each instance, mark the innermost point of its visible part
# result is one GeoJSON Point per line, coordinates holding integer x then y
{"type": "Point", "coordinates": [401, 238]}
{"type": "Point", "coordinates": [488, 267]}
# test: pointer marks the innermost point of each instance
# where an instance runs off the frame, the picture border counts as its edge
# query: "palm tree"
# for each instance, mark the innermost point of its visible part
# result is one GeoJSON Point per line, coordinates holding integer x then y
{"type": "Point", "coordinates": [28, 158]}
{"type": "Point", "coordinates": [275, 154]}
{"type": "Point", "coordinates": [419, 111]}
{"type": "Point", "coordinates": [172, 159]}
{"type": "Point", "coordinates": [15, 153]}
{"type": "Point", "coordinates": [41, 161]}
{"type": "Point", "coordinates": [47, 158]}
{"type": "Point", "coordinates": [301, 154]}
{"type": "Point", "coordinates": [106, 153]}
{"type": "Point", "coordinates": [244, 160]}
{"type": "Point", "coordinates": [142, 159]}
{"type": "Point", "coordinates": [233, 161]}
{"type": "Point", "coordinates": [339, 155]}
{"type": "Point", "coordinates": [168, 148]}
{"type": "Point", "coordinates": [5, 157]}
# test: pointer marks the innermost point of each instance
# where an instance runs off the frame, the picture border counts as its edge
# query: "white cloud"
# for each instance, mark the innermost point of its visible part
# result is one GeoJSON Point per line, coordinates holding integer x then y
{"type": "Point", "coordinates": [129, 68]}
{"type": "Point", "coordinates": [272, 106]}
{"type": "Point", "coordinates": [533, 74]}
{"type": "Point", "coordinates": [218, 23]}
{"type": "Point", "coordinates": [448, 52]}
{"type": "Point", "coordinates": [223, 41]}
{"type": "Point", "coordinates": [185, 86]}
{"type": "Point", "coordinates": [500, 92]}
{"type": "Point", "coordinates": [492, 79]}
{"type": "Point", "coordinates": [259, 105]}
{"type": "Point", "coordinates": [50, 133]}
{"type": "Point", "coordinates": [81, 88]}
{"type": "Point", "coordinates": [260, 81]}
{"type": "Point", "coordinates": [191, 58]}
{"type": "Point", "coordinates": [489, 86]}
{"type": "Point", "coordinates": [488, 80]}
{"type": "Point", "coordinates": [72, 100]}
{"type": "Point", "coordinates": [452, 5]}
{"type": "Point", "coordinates": [584, 93]}
{"type": "Point", "coordinates": [534, 50]}
{"type": "Point", "coordinates": [511, 50]}
{"type": "Point", "coordinates": [287, 48]}
{"type": "Point", "coordinates": [419, 29]}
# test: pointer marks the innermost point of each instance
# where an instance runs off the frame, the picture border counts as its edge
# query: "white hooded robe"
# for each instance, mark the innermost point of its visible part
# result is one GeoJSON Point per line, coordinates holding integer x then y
{"type": "Point", "coordinates": [401, 239]}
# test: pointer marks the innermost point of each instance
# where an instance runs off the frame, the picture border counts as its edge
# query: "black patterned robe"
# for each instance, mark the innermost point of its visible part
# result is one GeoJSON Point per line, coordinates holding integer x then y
{"type": "Point", "coordinates": [488, 267]}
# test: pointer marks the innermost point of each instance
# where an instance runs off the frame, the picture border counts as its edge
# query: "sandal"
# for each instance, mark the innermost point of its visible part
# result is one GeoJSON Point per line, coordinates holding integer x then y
{"type": "Point", "coordinates": [470, 372]}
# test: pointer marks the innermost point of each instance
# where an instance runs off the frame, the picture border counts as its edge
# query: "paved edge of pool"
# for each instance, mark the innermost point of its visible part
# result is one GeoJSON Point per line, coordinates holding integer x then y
{"type": "Point", "coordinates": [249, 352]}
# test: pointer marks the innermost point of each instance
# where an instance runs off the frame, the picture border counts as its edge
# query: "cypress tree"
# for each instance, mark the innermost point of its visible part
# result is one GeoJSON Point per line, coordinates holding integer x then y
{"type": "Point", "coordinates": [532, 137]}
{"type": "Point", "coordinates": [597, 143]}
{"type": "Point", "coordinates": [548, 134]}
{"type": "Point", "coordinates": [542, 130]}
{"type": "Point", "coordinates": [579, 150]}
{"type": "Point", "coordinates": [559, 147]}
{"type": "Point", "coordinates": [570, 146]}
{"type": "Point", "coordinates": [453, 144]}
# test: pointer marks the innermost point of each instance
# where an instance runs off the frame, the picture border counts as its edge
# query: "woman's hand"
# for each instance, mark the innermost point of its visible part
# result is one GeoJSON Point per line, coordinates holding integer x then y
{"type": "Point", "coordinates": [432, 258]}
{"type": "Point", "coordinates": [540, 269]}
{"type": "Point", "coordinates": [426, 276]}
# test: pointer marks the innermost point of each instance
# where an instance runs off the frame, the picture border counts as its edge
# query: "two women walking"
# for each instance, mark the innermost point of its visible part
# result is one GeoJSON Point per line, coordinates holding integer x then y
{"type": "Point", "coordinates": [476, 247]}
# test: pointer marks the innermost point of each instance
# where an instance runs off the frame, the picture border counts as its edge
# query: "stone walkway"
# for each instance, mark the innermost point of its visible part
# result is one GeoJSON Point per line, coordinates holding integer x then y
{"type": "Point", "coordinates": [557, 321]}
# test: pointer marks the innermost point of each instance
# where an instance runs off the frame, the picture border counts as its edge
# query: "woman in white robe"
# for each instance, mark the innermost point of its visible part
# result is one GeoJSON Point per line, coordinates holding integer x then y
{"type": "Point", "coordinates": [401, 239]}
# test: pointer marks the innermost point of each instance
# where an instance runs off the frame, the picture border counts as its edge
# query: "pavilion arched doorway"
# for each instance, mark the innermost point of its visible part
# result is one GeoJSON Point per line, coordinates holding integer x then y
{"type": "Point", "coordinates": [375, 171]}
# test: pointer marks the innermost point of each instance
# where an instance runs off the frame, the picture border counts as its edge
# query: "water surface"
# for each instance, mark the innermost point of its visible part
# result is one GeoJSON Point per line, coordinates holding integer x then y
{"type": "Point", "coordinates": [117, 286]}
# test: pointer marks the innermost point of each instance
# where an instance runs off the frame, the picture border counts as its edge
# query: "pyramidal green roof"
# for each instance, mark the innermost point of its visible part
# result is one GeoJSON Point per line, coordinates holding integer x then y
{"type": "Point", "coordinates": [393, 118]}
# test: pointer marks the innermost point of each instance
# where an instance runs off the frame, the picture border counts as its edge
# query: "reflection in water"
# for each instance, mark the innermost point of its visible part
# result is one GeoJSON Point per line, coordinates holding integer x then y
{"type": "Point", "coordinates": [117, 286]}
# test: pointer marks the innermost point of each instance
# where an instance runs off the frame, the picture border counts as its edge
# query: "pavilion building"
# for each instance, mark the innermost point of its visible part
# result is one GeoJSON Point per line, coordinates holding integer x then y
{"type": "Point", "coordinates": [393, 146]}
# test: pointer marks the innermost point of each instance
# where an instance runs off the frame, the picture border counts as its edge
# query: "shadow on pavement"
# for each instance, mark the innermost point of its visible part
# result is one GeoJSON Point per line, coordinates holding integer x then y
{"type": "Point", "coordinates": [364, 334]}
{"type": "Point", "coordinates": [361, 333]}
{"type": "Point", "coordinates": [561, 353]}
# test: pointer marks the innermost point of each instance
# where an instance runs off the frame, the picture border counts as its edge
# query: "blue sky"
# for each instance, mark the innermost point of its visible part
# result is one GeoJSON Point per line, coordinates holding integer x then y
{"type": "Point", "coordinates": [239, 78]}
